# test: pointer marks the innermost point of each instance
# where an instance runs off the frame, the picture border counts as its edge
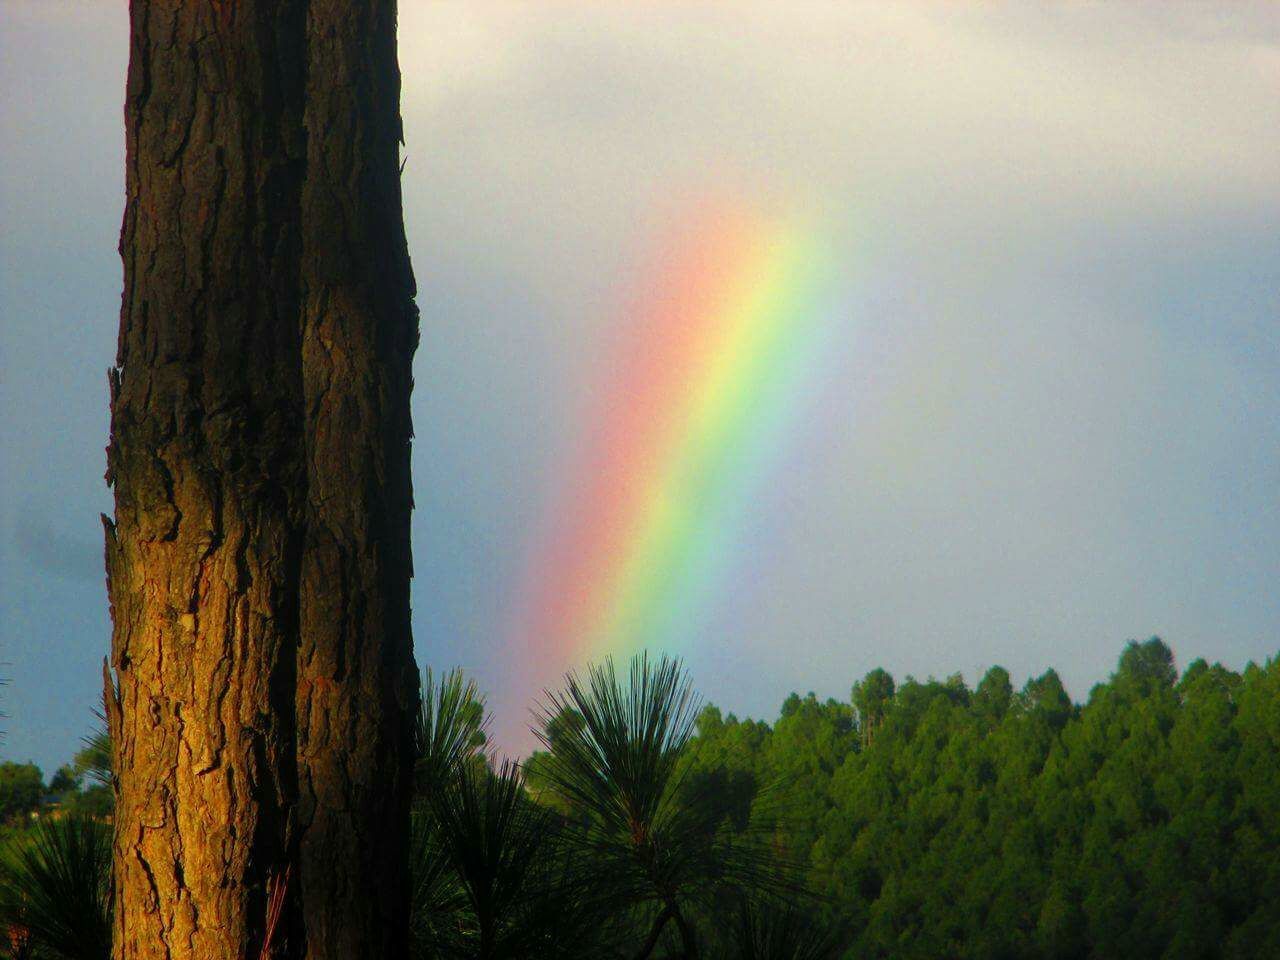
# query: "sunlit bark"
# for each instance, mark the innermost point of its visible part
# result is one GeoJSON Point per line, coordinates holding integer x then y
{"type": "Point", "coordinates": [258, 562]}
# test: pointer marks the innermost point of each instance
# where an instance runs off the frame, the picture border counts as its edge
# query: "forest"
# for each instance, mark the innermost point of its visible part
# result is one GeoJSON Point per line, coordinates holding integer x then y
{"type": "Point", "coordinates": [917, 819]}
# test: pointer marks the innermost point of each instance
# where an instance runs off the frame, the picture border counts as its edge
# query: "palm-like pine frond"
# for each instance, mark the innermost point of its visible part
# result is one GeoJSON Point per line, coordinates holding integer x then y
{"type": "Point", "coordinates": [55, 885]}
{"type": "Point", "coordinates": [492, 836]}
{"type": "Point", "coordinates": [621, 763]}
{"type": "Point", "coordinates": [654, 834]}
{"type": "Point", "coordinates": [94, 759]}
{"type": "Point", "coordinates": [450, 729]}
{"type": "Point", "coordinates": [510, 889]}
{"type": "Point", "coordinates": [437, 898]}
{"type": "Point", "coordinates": [770, 930]}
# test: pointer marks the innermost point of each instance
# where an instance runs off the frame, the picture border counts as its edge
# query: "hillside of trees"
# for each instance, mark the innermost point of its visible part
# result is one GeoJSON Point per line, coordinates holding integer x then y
{"type": "Point", "coordinates": [915, 820]}
{"type": "Point", "coordinates": [944, 821]}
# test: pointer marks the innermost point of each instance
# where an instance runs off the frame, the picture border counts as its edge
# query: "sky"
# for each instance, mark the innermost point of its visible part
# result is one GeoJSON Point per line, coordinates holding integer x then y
{"type": "Point", "coordinates": [1027, 409]}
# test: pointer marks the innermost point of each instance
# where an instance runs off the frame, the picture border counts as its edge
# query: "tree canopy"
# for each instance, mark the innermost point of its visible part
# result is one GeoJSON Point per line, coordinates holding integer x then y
{"type": "Point", "coordinates": [985, 824]}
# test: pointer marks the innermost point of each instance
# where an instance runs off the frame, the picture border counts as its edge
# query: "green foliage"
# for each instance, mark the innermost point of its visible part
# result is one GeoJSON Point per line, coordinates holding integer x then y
{"type": "Point", "coordinates": [992, 824]}
{"type": "Point", "coordinates": [627, 845]}
{"type": "Point", "coordinates": [450, 728]}
{"type": "Point", "coordinates": [64, 781]}
{"type": "Point", "coordinates": [537, 768]}
{"type": "Point", "coordinates": [96, 801]}
{"type": "Point", "coordinates": [21, 789]}
{"type": "Point", "coordinates": [994, 695]}
{"type": "Point", "coordinates": [54, 890]}
{"type": "Point", "coordinates": [84, 788]}
{"type": "Point", "coordinates": [94, 760]}
{"type": "Point", "coordinates": [651, 832]}
{"type": "Point", "coordinates": [506, 895]}
{"type": "Point", "coordinates": [921, 819]}
{"type": "Point", "coordinates": [770, 930]}
{"type": "Point", "coordinates": [871, 698]}
{"type": "Point", "coordinates": [492, 877]}
{"type": "Point", "coordinates": [436, 895]}
{"type": "Point", "coordinates": [620, 764]}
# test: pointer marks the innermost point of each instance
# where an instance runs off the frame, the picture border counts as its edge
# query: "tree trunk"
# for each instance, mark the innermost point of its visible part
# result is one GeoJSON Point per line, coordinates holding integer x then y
{"type": "Point", "coordinates": [206, 457]}
{"type": "Point", "coordinates": [357, 684]}
{"type": "Point", "coordinates": [258, 563]}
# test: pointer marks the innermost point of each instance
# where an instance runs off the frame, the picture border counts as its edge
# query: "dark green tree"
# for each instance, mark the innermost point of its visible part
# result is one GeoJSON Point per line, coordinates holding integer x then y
{"type": "Point", "coordinates": [21, 789]}
{"type": "Point", "coordinates": [655, 841]}
{"type": "Point", "coordinates": [871, 698]}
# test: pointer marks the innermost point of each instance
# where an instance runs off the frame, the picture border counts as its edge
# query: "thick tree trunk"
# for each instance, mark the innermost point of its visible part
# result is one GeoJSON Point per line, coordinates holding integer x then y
{"type": "Point", "coordinates": [258, 563]}
{"type": "Point", "coordinates": [357, 683]}
{"type": "Point", "coordinates": [206, 456]}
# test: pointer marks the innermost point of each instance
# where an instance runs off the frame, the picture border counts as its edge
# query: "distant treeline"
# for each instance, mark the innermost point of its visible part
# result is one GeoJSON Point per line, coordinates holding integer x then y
{"type": "Point", "coordinates": [943, 821]}
{"type": "Point", "coordinates": [81, 787]}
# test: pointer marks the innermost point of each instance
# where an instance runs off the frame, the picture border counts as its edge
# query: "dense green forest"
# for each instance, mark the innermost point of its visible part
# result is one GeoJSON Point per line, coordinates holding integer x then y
{"type": "Point", "coordinates": [944, 821]}
{"type": "Point", "coordinates": [915, 820]}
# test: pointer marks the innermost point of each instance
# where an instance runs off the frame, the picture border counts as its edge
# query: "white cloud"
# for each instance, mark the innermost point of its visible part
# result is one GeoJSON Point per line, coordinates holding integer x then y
{"type": "Point", "coordinates": [533, 115]}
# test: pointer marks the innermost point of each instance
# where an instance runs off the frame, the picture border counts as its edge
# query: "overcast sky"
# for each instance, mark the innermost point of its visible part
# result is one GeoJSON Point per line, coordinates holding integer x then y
{"type": "Point", "coordinates": [1067, 433]}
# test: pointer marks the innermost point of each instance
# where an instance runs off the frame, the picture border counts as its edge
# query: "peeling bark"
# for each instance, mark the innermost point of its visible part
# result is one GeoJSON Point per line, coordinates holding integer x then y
{"type": "Point", "coordinates": [258, 561]}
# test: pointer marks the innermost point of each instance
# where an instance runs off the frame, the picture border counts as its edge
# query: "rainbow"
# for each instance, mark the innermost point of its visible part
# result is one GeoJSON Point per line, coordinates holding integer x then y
{"type": "Point", "coordinates": [715, 361]}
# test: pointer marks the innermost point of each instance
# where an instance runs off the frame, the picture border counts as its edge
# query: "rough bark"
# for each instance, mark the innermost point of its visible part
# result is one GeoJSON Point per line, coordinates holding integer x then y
{"type": "Point", "coordinates": [207, 462]}
{"type": "Point", "coordinates": [259, 454]}
{"type": "Point", "coordinates": [357, 684]}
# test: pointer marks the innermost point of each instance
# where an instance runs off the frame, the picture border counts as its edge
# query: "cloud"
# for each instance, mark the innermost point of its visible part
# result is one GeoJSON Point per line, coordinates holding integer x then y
{"type": "Point", "coordinates": [1008, 115]}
